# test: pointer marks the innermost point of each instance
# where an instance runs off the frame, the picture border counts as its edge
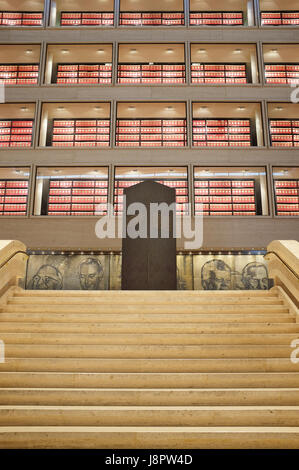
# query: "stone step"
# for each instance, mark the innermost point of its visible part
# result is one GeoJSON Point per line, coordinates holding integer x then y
{"type": "Point", "coordinates": [149, 351]}
{"type": "Point", "coordinates": [84, 437]}
{"type": "Point", "coordinates": [147, 317]}
{"type": "Point", "coordinates": [161, 365]}
{"type": "Point", "coordinates": [208, 329]}
{"type": "Point", "coordinates": [149, 397]}
{"type": "Point", "coordinates": [34, 338]}
{"type": "Point", "coordinates": [145, 309]}
{"type": "Point", "coordinates": [25, 415]}
{"type": "Point", "coordinates": [172, 301]}
{"type": "Point", "coordinates": [149, 380]}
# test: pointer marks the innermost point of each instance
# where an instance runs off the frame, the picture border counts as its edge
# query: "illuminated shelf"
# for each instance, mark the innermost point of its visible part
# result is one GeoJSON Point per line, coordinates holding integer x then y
{"type": "Point", "coordinates": [180, 186]}
{"type": "Point", "coordinates": [13, 197]}
{"type": "Point", "coordinates": [284, 132]}
{"type": "Point", "coordinates": [10, 18]}
{"type": "Point", "coordinates": [222, 133]}
{"type": "Point", "coordinates": [283, 74]}
{"type": "Point", "coordinates": [84, 73]}
{"type": "Point", "coordinates": [280, 18]}
{"type": "Point", "coordinates": [81, 133]}
{"type": "Point", "coordinates": [287, 197]}
{"type": "Point", "coordinates": [16, 133]}
{"type": "Point", "coordinates": [225, 197]}
{"type": "Point", "coordinates": [73, 197]}
{"type": "Point", "coordinates": [151, 133]}
{"type": "Point", "coordinates": [219, 73]}
{"type": "Point", "coordinates": [151, 18]}
{"type": "Point", "coordinates": [19, 74]}
{"type": "Point", "coordinates": [151, 73]}
{"type": "Point", "coordinates": [87, 18]}
{"type": "Point", "coordinates": [216, 18]}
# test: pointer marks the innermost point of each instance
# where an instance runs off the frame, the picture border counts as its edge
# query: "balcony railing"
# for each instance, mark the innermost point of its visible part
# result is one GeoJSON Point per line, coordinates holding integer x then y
{"type": "Point", "coordinates": [280, 18]}
{"type": "Point", "coordinates": [151, 73]}
{"type": "Point", "coordinates": [223, 133]}
{"type": "Point", "coordinates": [282, 74]}
{"type": "Point", "coordinates": [219, 73]}
{"type": "Point", "coordinates": [84, 74]}
{"type": "Point", "coordinates": [151, 18]}
{"type": "Point", "coordinates": [216, 18]}
{"type": "Point", "coordinates": [284, 132]}
{"type": "Point", "coordinates": [87, 18]}
{"type": "Point", "coordinates": [17, 18]}
{"type": "Point", "coordinates": [151, 133]}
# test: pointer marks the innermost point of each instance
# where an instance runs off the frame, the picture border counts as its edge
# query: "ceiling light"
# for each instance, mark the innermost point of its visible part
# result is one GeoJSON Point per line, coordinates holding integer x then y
{"type": "Point", "coordinates": [57, 171]}
{"type": "Point", "coordinates": [18, 171]}
{"type": "Point", "coordinates": [24, 108]}
{"type": "Point", "coordinates": [202, 50]}
{"type": "Point", "coordinates": [98, 108]}
{"type": "Point", "coordinates": [279, 108]}
{"type": "Point", "coordinates": [241, 108]}
{"type": "Point", "coordinates": [274, 50]}
{"type": "Point", "coordinates": [169, 51]}
{"type": "Point", "coordinates": [203, 107]}
{"type": "Point", "coordinates": [60, 108]}
{"type": "Point", "coordinates": [133, 51]}
{"type": "Point", "coordinates": [238, 51]}
{"type": "Point", "coordinates": [169, 108]}
{"type": "Point", "coordinates": [100, 51]}
{"type": "Point", "coordinates": [29, 51]}
{"type": "Point", "coordinates": [65, 51]}
{"type": "Point", "coordinates": [131, 107]}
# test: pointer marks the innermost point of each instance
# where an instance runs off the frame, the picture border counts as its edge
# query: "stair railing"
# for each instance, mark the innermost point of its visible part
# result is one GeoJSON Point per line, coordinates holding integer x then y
{"type": "Point", "coordinates": [283, 266]}
{"type": "Point", "coordinates": [13, 264]}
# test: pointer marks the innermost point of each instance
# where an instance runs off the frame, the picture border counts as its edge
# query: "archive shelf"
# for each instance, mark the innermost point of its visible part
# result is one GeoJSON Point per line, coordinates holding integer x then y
{"type": "Point", "coordinates": [223, 133]}
{"type": "Point", "coordinates": [287, 197]}
{"type": "Point", "coordinates": [100, 73]}
{"type": "Point", "coordinates": [218, 73]}
{"type": "Point", "coordinates": [151, 73]}
{"type": "Point", "coordinates": [151, 18]}
{"type": "Point", "coordinates": [80, 133]}
{"type": "Point", "coordinates": [151, 132]}
{"type": "Point", "coordinates": [13, 197]}
{"type": "Point", "coordinates": [284, 132]}
{"type": "Point", "coordinates": [19, 74]}
{"type": "Point", "coordinates": [282, 74]}
{"type": "Point", "coordinates": [16, 132]}
{"type": "Point", "coordinates": [226, 197]}
{"type": "Point", "coordinates": [216, 18]}
{"type": "Point", "coordinates": [280, 18]}
{"type": "Point", "coordinates": [17, 18]}
{"type": "Point", "coordinates": [86, 18]}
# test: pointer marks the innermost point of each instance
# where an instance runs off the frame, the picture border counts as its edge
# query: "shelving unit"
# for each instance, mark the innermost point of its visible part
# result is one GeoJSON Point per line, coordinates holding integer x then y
{"type": "Point", "coordinates": [216, 18]}
{"type": "Point", "coordinates": [16, 133]}
{"type": "Point", "coordinates": [279, 18]}
{"type": "Point", "coordinates": [151, 18]}
{"type": "Point", "coordinates": [151, 73]}
{"type": "Point", "coordinates": [223, 133]}
{"type": "Point", "coordinates": [180, 186]}
{"type": "Point", "coordinates": [19, 74]}
{"type": "Point", "coordinates": [226, 197]}
{"type": "Point", "coordinates": [13, 197]}
{"type": "Point", "coordinates": [151, 133]}
{"type": "Point", "coordinates": [18, 18]}
{"type": "Point", "coordinates": [282, 74]}
{"type": "Point", "coordinates": [219, 73]}
{"type": "Point", "coordinates": [287, 197]}
{"type": "Point", "coordinates": [284, 132]}
{"type": "Point", "coordinates": [86, 18]}
{"type": "Point", "coordinates": [84, 74]}
{"type": "Point", "coordinates": [75, 197]}
{"type": "Point", "coordinates": [80, 133]}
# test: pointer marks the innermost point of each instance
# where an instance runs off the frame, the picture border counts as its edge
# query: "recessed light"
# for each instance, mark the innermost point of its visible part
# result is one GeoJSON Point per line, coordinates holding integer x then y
{"type": "Point", "coordinates": [131, 107]}
{"type": "Point", "coordinates": [278, 108]}
{"type": "Point", "coordinates": [241, 108]}
{"type": "Point", "coordinates": [133, 51]}
{"type": "Point", "coordinates": [18, 171]}
{"type": "Point", "coordinates": [60, 108]}
{"type": "Point", "coordinates": [24, 108]}
{"type": "Point", "coordinates": [274, 50]}
{"type": "Point", "coordinates": [238, 51]}
{"type": "Point", "coordinates": [100, 51]}
{"type": "Point", "coordinates": [98, 108]}
{"type": "Point", "coordinates": [29, 51]}
{"type": "Point", "coordinates": [169, 51]}
{"type": "Point", "coordinates": [203, 107]}
{"type": "Point", "coordinates": [65, 51]}
{"type": "Point", "coordinates": [202, 50]}
{"type": "Point", "coordinates": [56, 170]}
{"type": "Point", "coordinates": [169, 108]}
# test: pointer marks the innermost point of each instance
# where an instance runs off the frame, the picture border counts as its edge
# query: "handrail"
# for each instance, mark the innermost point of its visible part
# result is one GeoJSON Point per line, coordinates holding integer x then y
{"type": "Point", "coordinates": [284, 262]}
{"type": "Point", "coordinates": [12, 256]}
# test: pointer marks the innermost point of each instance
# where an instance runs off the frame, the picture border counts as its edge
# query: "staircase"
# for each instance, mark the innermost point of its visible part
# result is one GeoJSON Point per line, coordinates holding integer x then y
{"type": "Point", "coordinates": [123, 369]}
